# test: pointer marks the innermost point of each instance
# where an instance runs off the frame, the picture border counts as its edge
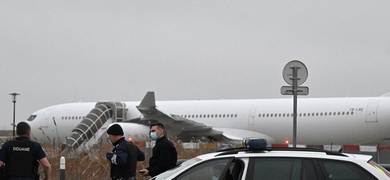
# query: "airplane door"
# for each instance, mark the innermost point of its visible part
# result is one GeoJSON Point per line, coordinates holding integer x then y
{"type": "Point", "coordinates": [251, 117]}
{"type": "Point", "coordinates": [371, 113]}
{"type": "Point", "coordinates": [45, 119]}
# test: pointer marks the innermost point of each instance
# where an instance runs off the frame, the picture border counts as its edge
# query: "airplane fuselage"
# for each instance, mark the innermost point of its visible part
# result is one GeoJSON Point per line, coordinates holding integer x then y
{"type": "Point", "coordinates": [319, 120]}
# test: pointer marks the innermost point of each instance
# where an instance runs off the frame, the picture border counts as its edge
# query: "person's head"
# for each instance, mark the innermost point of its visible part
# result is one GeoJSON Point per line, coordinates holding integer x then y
{"type": "Point", "coordinates": [114, 132]}
{"type": "Point", "coordinates": [156, 131]}
{"type": "Point", "coordinates": [23, 129]}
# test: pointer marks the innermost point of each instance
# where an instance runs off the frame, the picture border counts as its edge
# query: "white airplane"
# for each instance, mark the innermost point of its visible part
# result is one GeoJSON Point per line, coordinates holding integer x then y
{"type": "Point", "coordinates": [352, 120]}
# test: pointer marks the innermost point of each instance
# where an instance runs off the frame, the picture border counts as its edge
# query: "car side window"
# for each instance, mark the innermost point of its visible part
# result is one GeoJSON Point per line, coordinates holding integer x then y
{"type": "Point", "coordinates": [334, 169]}
{"type": "Point", "coordinates": [235, 170]}
{"type": "Point", "coordinates": [281, 168]}
{"type": "Point", "coordinates": [209, 170]}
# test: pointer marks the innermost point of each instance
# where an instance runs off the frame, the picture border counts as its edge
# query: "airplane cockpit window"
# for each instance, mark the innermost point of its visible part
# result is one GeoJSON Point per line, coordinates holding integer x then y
{"type": "Point", "coordinates": [31, 118]}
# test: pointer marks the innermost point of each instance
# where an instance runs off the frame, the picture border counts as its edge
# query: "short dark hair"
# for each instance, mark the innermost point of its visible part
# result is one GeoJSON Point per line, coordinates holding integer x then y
{"type": "Point", "coordinates": [160, 125]}
{"type": "Point", "coordinates": [22, 128]}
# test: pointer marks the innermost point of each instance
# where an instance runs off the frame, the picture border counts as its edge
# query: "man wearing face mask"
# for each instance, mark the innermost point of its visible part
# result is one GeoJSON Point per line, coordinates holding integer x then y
{"type": "Point", "coordinates": [164, 155]}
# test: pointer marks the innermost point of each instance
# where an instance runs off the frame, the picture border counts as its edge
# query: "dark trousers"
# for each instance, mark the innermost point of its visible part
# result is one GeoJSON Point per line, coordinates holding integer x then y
{"type": "Point", "coordinates": [20, 178]}
{"type": "Point", "coordinates": [122, 178]}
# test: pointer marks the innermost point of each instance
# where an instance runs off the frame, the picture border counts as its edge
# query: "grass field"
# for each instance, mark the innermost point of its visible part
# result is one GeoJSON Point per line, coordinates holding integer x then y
{"type": "Point", "coordinates": [93, 165]}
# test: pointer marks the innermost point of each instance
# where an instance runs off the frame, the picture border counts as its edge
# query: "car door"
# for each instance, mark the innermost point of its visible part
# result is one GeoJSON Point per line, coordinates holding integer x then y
{"type": "Point", "coordinates": [212, 169]}
{"type": "Point", "coordinates": [282, 168]}
{"type": "Point", "coordinates": [335, 169]}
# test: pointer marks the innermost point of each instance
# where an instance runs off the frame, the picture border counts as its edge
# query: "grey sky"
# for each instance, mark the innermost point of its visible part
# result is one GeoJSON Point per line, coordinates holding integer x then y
{"type": "Point", "coordinates": [56, 52]}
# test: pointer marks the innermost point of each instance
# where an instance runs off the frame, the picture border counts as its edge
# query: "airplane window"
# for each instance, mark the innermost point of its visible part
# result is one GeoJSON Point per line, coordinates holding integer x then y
{"type": "Point", "coordinates": [272, 115]}
{"type": "Point", "coordinates": [308, 114]}
{"type": "Point", "coordinates": [223, 115]}
{"type": "Point", "coordinates": [338, 113]}
{"type": "Point", "coordinates": [32, 117]}
{"type": "Point", "coordinates": [284, 115]}
{"type": "Point", "coordinates": [351, 112]}
{"type": "Point", "coordinates": [236, 115]}
{"type": "Point", "coordinates": [288, 115]}
{"type": "Point", "coordinates": [304, 114]}
{"type": "Point", "coordinates": [280, 115]}
{"type": "Point", "coordinates": [267, 115]}
{"type": "Point", "coordinates": [231, 115]}
{"type": "Point", "coordinates": [347, 112]}
{"type": "Point", "coordinates": [220, 115]}
{"type": "Point", "coordinates": [66, 117]}
{"type": "Point", "coordinates": [320, 114]}
{"type": "Point", "coordinates": [316, 114]}
{"type": "Point", "coordinates": [343, 113]}
{"type": "Point", "coordinates": [326, 113]}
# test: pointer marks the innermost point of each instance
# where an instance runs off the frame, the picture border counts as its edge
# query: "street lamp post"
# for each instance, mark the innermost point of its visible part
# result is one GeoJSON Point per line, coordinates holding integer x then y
{"type": "Point", "coordinates": [14, 101]}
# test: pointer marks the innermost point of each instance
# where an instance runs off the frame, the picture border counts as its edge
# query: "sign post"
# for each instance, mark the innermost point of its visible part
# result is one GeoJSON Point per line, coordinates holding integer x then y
{"type": "Point", "coordinates": [295, 74]}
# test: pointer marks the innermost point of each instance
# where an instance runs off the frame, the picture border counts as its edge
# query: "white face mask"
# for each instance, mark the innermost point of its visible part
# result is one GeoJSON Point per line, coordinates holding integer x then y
{"type": "Point", "coordinates": [153, 136]}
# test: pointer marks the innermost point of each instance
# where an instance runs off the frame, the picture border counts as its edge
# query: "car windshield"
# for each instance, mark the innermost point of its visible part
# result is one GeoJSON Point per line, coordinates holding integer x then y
{"type": "Point", "coordinates": [185, 164]}
{"type": "Point", "coordinates": [379, 168]}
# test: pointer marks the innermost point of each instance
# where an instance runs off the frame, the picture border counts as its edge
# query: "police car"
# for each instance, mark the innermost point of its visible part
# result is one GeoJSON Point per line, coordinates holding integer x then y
{"type": "Point", "coordinates": [259, 162]}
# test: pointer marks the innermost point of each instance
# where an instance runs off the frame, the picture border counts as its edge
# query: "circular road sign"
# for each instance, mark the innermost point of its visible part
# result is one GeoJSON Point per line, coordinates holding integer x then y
{"type": "Point", "coordinates": [301, 72]}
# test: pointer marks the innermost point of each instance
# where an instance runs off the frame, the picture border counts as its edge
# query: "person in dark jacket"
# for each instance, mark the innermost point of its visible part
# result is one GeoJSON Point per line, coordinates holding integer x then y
{"type": "Point", "coordinates": [21, 156]}
{"type": "Point", "coordinates": [164, 155]}
{"type": "Point", "coordinates": [123, 158]}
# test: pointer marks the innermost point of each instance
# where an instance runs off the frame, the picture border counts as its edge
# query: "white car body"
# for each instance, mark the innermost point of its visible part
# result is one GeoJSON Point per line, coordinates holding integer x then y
{"type": "Point", "coordinates": [362, 161]}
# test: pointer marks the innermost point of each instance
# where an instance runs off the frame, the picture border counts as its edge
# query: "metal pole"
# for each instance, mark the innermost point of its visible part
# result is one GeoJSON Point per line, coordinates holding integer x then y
{"type": "Point", "coordinates": [295, 89]}
{"type": "Point", "coordinates": [13, 122]}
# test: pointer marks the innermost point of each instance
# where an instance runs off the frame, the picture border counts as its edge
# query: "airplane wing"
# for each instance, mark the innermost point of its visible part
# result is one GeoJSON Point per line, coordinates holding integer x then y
{"type": "Point", "coordinates": [240, 134]}
{"type": "Point", "coordinates": [186, 129]}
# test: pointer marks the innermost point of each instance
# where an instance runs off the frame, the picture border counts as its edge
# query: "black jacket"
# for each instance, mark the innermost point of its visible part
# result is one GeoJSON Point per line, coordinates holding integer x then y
{"type": "Point", "coordinates": [164, 157]}
{"type": "Point", "coordinates": [123, 159]}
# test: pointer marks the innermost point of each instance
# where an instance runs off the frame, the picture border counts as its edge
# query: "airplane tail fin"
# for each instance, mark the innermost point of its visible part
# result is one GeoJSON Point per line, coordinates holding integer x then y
{"type": "Point", "coordinates": [149, 100]}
